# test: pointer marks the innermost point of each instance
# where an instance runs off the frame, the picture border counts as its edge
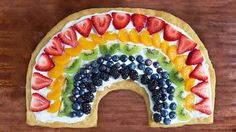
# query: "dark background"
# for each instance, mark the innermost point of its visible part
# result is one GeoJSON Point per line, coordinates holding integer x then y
{"type": "Point", "coordinates": [23, 23]}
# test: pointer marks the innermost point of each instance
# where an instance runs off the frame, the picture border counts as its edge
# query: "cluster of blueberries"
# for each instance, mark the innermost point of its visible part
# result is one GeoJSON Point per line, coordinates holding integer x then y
{"type": "Point", "coordinates": [92, 75]}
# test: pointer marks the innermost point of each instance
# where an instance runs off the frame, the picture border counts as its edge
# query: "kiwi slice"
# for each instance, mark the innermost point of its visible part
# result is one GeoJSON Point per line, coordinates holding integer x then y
{"type": "Point", "coordinates": [164, 63]}
{"type": "Point", "coordinates": [182, 114]}
{"type": "Point", "coordinates": [73, 66]}
{"type": "Point", "coordinates": [152, 53]}
{"type": "Point", "coordinates": [178, 94]}
{"type": "Point", "coordinates": [89, 54]}
{"type": "Point", "coordinates": [65, 107]}
{"type": "Point", "coordinates": [175, 78]}
{"type": "Point", "coordinates": [69, 86]}
{"type": "Point", "coordinates": [129, 49]}
{"type": "Point", "coordinates": [109, 49]}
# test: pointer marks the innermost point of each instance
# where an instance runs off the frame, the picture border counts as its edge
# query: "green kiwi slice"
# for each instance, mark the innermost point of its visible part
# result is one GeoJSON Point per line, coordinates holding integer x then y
{"type": "Point", "coordinates": [152, 53]}
{"type": "Point", "coordinates": [65, 107]}
{"type": "Point", "coordinates": [109, 49]}
{"type": "Point", "coordinates": [129, 49]}
{"type": "Point", "coordinates": [69, 86]}
{"type": "Point", "coordinates": [164, 63]}
{"type": "Point", "coordinates": [89, 54]}
{"type": "Point", "coordinates": [182, 114]}
{"type": "Point", "coordinates": [178, 94]}
{"type": "Point", "coordinates": [73, 66]}
{"type": "Point", "coordinates": [175, 78]}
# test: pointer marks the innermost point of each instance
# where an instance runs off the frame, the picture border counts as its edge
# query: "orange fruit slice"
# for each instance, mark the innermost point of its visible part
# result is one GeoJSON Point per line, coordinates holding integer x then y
{"type": "Point", "coordinates": [97, 39]}
{"type": "Point", "coordinates": [179, 62]}
{"type": "Point", "coordinates": [57, 83]}
{"type": "Point", "coordinates": [189, 84]}
{"type": "Point", "coordinates": [145, 38]}
{"type": "Point", "coordinates": [172, 52]}
{"type": "Point", "coordinates": [186, 71]}
{"type": "Point", "coordinates": [54, 107]}
{"type": "Point", "coordinates": [123, 35]}
{"type": "Point", "coordinates": [73, 51]}
{"type": "Point", "coordinates": [164, 46]}
{"type": "Point", "coordinates": [109, 36]}
{"type": "Point", "coordinates": [133, 36]}
{"type": "Point", "coordinates": [54, 94]}
{"type": "Point", "coordinates": [189, 102]}
{"type": "Point", "coordinates": [56, 71]}
{"type": "Point", "coordinates": [156, 40]}
{"type": "Point", "coordinates": [63, 59]}
{"type": "Point", "coordinates": [86, 44]}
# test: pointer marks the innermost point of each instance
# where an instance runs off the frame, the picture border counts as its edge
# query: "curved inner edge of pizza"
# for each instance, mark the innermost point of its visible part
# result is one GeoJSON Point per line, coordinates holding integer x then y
{"type": "Point", "coordinates": [120, 49]}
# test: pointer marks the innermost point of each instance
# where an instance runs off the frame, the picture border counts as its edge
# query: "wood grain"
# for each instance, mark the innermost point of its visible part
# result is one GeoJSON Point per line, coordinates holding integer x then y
{"type": "Point", "coordinates": [23, 23]}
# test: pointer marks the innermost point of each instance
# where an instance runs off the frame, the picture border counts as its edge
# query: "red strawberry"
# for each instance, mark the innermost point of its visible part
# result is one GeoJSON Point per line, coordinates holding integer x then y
{"type": "Point", "coordinates": [170, 34]}
{"type": "Point", "coordinates": [139, 21]}
{"type": "Point", "coordinates": [44, 63]}
{"type": "Point", "coordinates": [120, 20]}
{"type": "Point", "coordinates": [101, 23]}
{"type": "Point", "coordinates": [199, 73]}
{"type": "Point", "coordinates": [154, 25]}
{"type": "Point", "coordinates": [55, 47]}
{"type": "Point", "coordinates": [84, 27]}
{"type": "Point", "coordinates": [69, 37]}
{"type": "Point", "coordinates": [194, 57]}
{"type": "Point", "coordinates": [39, 81]}
{"type": "Point", "coordinates": [201, 89]}
{"type": "Point", "coordinates": [185, 44]}
{"type": "Point", "coordinates": [39, 103]}
{"type": "Point", "coordinates": [204, 107]}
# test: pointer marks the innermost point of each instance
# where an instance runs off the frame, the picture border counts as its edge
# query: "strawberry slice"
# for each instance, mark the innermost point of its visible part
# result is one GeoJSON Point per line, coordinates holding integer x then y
{"type": "Point", "coordinates": [139, 21]}
{"type": "Point", "coordinates": [69, 37]}
{"type": "Point", "coordinates": [204, 107]}
{"type": "Point", "coordinates": [44, 63]}
{"type": "Point", "coordinates": [84, 27]}
{"type": "Point", "coordinates": [101, 23]}
{"type": "Point", "coordinates": [201, 90]}
{"type": "Point", "coordinates": [154, 25]}
{"type": "Point", "coordinates": [39, 81]}
{"type": "Point", "coordinates": [55, 47]}
{"type": "Point", "coordinates": [185, 44]}
{"type": "Point", "coordinates": [39, 103]}
{"type": "Point", "coordinates": [194, 57]}
{"type": "Point", "coordinates": [120, 20]}
{"type": "Point", "coordinates": [199, 73]}
{"type": "Point", "coordinates": [170, 34]}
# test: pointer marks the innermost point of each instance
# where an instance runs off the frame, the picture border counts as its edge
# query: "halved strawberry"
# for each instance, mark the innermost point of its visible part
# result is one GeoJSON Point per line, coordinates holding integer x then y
{"type": "Point", "coordinates": [154, 25]}
{"type": "Point", "coordinates": [139, 21]}
{"type": "Point", "coordinates": [170, 34]}
{"type": "Point", "coordinates": [120, 20]}
{"type": "Point", "coordinates": [38, 103]}
{"type": "Point", "coordinates": [44, 63]}
{"type": "Point", "coordinates": [204, 107]}
{"type": "Point", "coordinates": [55, 47]}
{"type": "Point", "coordinates": [39, 81]}
{"type": "Point", "coordinates": [68, 36]}
{"type": "Point", "coordinates": [101, 23]}
{"type": "Point", "coordinates": [199, 73]}
{"type": "Point", "coordinates": [185, 44]}
{"type": "Point", "coordinates": [194, 57]}
{"type": "Point", "coordinates": [201, 89]}
{"type": "Point", "coordinates": [84, 27]}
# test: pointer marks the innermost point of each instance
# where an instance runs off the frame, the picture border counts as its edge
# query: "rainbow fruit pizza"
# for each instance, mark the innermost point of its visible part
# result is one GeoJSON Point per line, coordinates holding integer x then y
{"type": "Point", "coordinates": [95, 51]}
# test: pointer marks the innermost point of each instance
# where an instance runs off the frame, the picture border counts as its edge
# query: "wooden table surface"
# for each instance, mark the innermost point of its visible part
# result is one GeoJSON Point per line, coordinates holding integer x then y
{"type": "Point", "coordinates": [23, 23]}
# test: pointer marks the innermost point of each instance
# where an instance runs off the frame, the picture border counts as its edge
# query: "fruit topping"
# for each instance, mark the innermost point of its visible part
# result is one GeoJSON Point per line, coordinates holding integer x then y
{"type": "Point", "coordinates": [154, 24]}
{"type": "Point", "coordinates": [74, 66]}
{"type": "Point", "coordinates": [97, 39]}
{"type": "Point", "coordinates": [189, 102]}
{"type": "Point", "coordinates": [194, 57]}
{"type": "Point", "coordinates": [63, 59]}
{"type": "Point", "coordinates": [145, 38]}
{"type": "Point", "coordinates": [186, 71]}
{"type": "Point", "coordinates": [38, 103]}
{"type": "Point", "coordinates": [172, 52]}
{"type": "Point", "coordinates": [73, 51]}
{"type": "Point", "coordinates": [55, 106]}
{"type": "Point", "coordinates": [189, 84]}
{"type": "Point", "coordinates": [178, 94]}
{"type": "Point", "coordinates": [55, 47]}
{"type": "Point", "coordinates": [68, 36]}
{"type": "Point", "coordinates": [179, 62]}
{"type": "Point", "coordinates": [134, 36]}
{"type": "Point", "coordinates": [86, 44]}
{"type": "Point", "coordinates": [109, 49]}
{"type": "Point", "coordinates": [139, 21]}
{"type": "Point", "coordinates": [57, 83]}
{"type": "Point", "coordinates": [123, 35]}
{"type": "Point", "coordinates": [171, 34]}
{"type": "Point", "coordinates": [199, 73]}
{"type": "Point", "coordinates": [156, 40]}
{"type": "Point", "coordinates": [204, 107]}
{"type": "Point", "coordinates": [182, 114]}
{"type": "Point", "coordinates": [185, 44]}
{"type": "Point", "coordinates": [120, 20]}
{"type": "Point", "coordinates": [44, 63]}
{"type": "Point", "coordinates": [89, 55]}
{"type": "Point", "coordinates": [201, 89]}
{"type": "Point", "coordinates": [39, 81]}
{"type": "Point", "coordinates": [129, 49]}
{"type": "Point", "coordinates": [109, 36]}
{"type": "Point", "coordinates": [164, 46]}
{"type": "Point", "coordinates": [84, 27]}
{"type": "Point", "coordinates": [152, 53]}
{"type": "Point", "coordinates": [101, 23]}
{"type": "Point", "coordinates": [54, 94]}
{"type": "Point", "coordinates": [65, 108]}
{"type": "Point", "coordinates": [56, 72]}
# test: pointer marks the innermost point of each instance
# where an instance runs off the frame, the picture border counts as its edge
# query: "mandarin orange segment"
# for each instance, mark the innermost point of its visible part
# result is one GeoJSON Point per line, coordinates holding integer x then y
{"type": "Point", "coordinates": [97, 39]}
{"type": "Point", "coordinates": [54, 94]}
{"type": "Point", "coordinates": [172, 52]}
{"type": "Point", "coordinates": [54, 107]}
{"type": "Point", "coordinates": [123, 35]}
{"type": "Point", "coordinates": [186, 71]}
{"type": "Point", "coordinates": [145, 38]}
{"type": "Point", "coordinates": [63, 59]}
{"type": "Point", "coordinates": [109, 36]}
{"type": "Point", "coordinates": [156, 40]}
{"type": "Point", "coordinates": [164, 46]}
{"type": "Point", "coordinates": [56, 71]}
{"type": "Point", "coordinates": [179, 62]}
{"type": "Point", "coordinates": [73, 51]}
{"type": "Point", "coordinates": [86, 44]}
{"type": "Point", "coordinates": [133, 36]}
{"type": "Point", "coordinates": [189, 102]}
{"type": "Point", "coordinates": [57, 83]}
{"type": "Point", "coordinates": [189, 84]}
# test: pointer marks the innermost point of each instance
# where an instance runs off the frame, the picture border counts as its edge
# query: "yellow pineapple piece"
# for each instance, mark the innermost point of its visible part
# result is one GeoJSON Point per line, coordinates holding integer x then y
{"type": "Point", "coordinates": [54, 107]}
{"type": "Point", "coordinates": [172, 52]}
{"type": "Point", "coordinates": [97, 39]}
{"type": "Point", "coordinates": [186, 71]}
{"type": "Point", "coordinates": [145, 38]}
{"type": "Point", "coordinates": [57, 83]}
{"type": "Point", "coordinates": [109, 36]}
{"type": "Point", "coordinates": [73, 51]}
{"type": "Point", "coordinates": [189, 102]}
{"type": "Point", "coordinates": [164, 46]}
{"type": "Point", "coordinates": [63, 59]}
{"type": "Point", "coordinates": [189, 84]}
{"type": "Point", "coordinates": [56, 71]}
{"type": "Point", "coordinates": [179, 62]}
{"type": "Point", "coordinates": [156, 40]}
{"type": "Point", "coordinates": [123, 35]}
{"type": "Point", "coordinates": [86, 44]}
{"type": "Point", "coordinates": [54, 94]}
{"type": "Point", "coordinates": [133, 36]}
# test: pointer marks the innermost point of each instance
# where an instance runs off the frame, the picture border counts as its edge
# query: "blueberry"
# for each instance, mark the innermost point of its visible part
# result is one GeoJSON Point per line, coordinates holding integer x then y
{"type": "Point", "coordinates": [161, 82]}
{"type": "Point", "coordinates": [102, 67]}
{"type": "Point", "coordinates": [131, 58]}
{"type": "Point", "coordinates": [165, 105]}
{"type": "Point", "coordinates": [139, 59]}
{"type": "Point", "coordinates": [104, 76]}
{"type": "Point", "coordinates": [123, 58]}
{"type": "Point", "coordinates": [154, 76]}
{"type": "Point", "coordinates": [164, 113]}
{"type": "Point", "coordinates": [75, 91]}
{"type": "Point", "coordinates": [157, 107]}
{"type": "Point", "coordinates": [77, 84]}
{"type": "Point", "coordinates": [172, 115]}
{"type": "Point", "coordinates": [170, 89]}
{"type": "Point", "coordinates": [173, 106]}
{"type": "Point", "coordinates": [76, 106]}
{"type": "Point", "coordinates": [95, 70]}
{"type": "Point", "coordinates": [78, 77]}
{"type": "Point", "coordinates": [148, 62]}
{"type": "Point", "coordinates": [141, 66]}
{"type": "Point", "coordinates": [115, 58]}
{"type": "Point", "coordinates": [92, 88]}
{"type": "Point", "coordinates": [144, 79]}
{"type": "Point", "coordinates": [86, 81]}
{"type": "Point", "coordinates": [167, 121]}
{"type": "Point", "coordinates": [117, 65]}
{"type": "Point", "coordinates": [88, 97]}
{"type": "Point", "coordinates": [156, 64]}
{"type": "Point", "coordinates": [171, 97]}
{"type": "Point", "coordinates": [97, 82]}
{"type": "Point", "coordinates": [168, 82]}
{"type": "Point", "coordinates": [163, 97]}
{"type": "Point", "coordinates": [73, 98]}
{"type": "Point", "coordinates": [100, 60]}
{"type": "Point", "coordinates": [157, 117]}
{"type": "Point", "coordinates": [159, 70]}
{"type": "Point", "coordinates": [132, 66]}
{"type": "Point", "coordinates": [79, 113]}
{"type": "Point", "coordinates": [86, 108]}
{"type": "Point", "coordinates": [123, 65]}
{"type": "Point", "coordinates": [107, 57]}
{"type": "Point", "coordinates": [94, 64]}
{"type": "Point", "coordinates": [148, 71]}
{"type": "Point", "coordinates": [109, 64]}
{"type": "Point", "coordinates": [156, 97]}
{"type": "Point", "coordinates": [163, 89]}
{"type": "Point", "coordinates": [164, 75]}
{"type": "Point", "coordinates": [80, 100]}
{"type": "Point", "coordinates": [81, 92]}
{"type": "Point", "coordinates": [115, 74]}
{"type": "Point", "coordinates": [73, 114]}
{"type": "Point", "coordinates": [133, 75]}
